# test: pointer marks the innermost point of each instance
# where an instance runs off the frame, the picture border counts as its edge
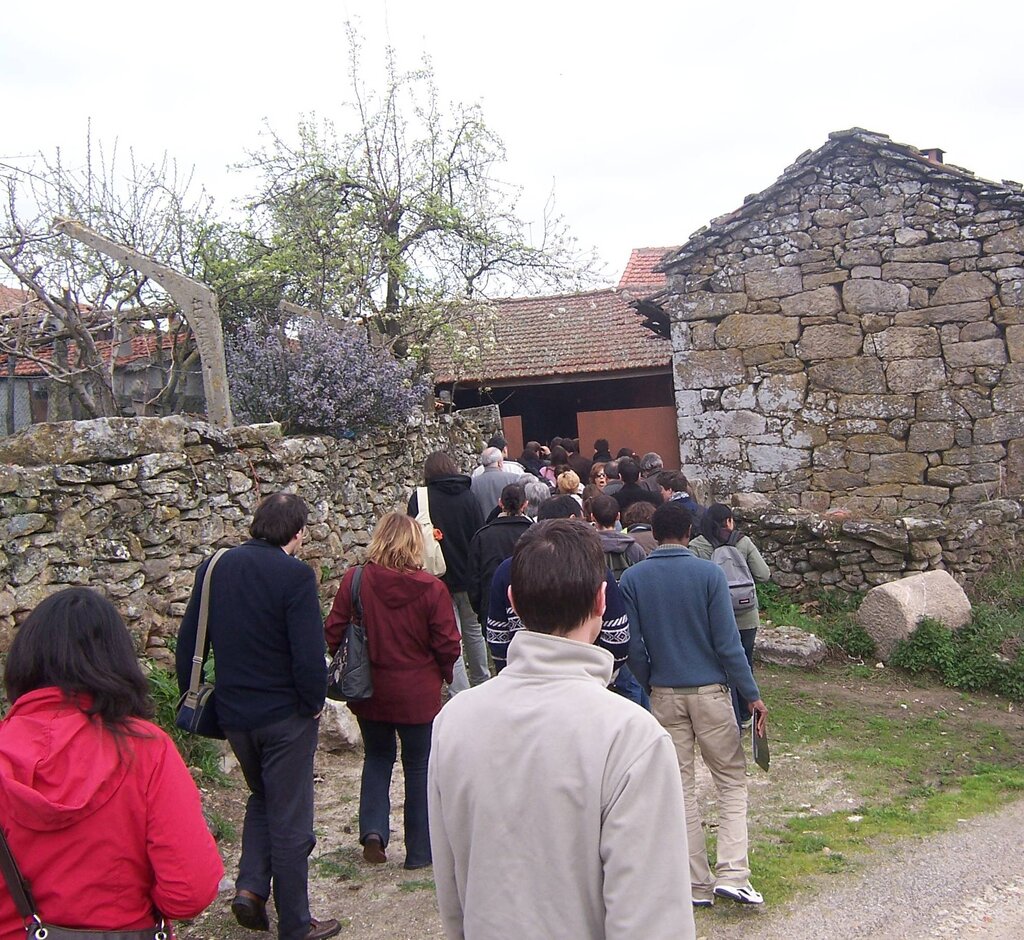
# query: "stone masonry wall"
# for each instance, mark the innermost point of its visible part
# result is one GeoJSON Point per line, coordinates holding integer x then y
{"type": "Point", "coordinates": [132, 505]}
{"type": "Point", "coordinates": [855, 337]}
{"type": "Point", "coordinates": [807, 550]}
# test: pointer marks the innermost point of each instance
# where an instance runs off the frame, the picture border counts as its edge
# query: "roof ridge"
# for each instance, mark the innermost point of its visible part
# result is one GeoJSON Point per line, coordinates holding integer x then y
{"type": "Point", "coordinates": [721, 225]}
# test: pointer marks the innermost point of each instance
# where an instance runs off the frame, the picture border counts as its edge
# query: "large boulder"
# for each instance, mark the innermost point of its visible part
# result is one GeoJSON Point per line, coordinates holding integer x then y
{"type": "Point", "coordinates": [788, 646]}
{"type": "Point", "coordinates": [891, 612]}
{"type": "Point", "coordinates": [338, 728]}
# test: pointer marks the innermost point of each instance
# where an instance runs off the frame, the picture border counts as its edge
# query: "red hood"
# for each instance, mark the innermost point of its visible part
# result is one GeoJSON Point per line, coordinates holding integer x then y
{"type": "Point", "coordinates": [57, 766]}
{"type": "Point", "coordinates": [395, 588]}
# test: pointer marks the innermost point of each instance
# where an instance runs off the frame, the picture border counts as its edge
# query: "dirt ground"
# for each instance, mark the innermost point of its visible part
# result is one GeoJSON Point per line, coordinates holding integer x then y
{"type": "Point", "coordinates": [378, 902]}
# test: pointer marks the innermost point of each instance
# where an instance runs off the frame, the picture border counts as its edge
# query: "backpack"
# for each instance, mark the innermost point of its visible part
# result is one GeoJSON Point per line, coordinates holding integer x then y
{"type": "Point", "coordinates": [433, 559]}
{"type": "Point", "coordinates": [741, 582]}
{"type": "Point", "coordinates": [617, 562]}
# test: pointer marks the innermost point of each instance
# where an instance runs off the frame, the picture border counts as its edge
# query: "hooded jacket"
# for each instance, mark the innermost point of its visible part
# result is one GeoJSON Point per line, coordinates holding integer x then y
{"type": "Point", "coordinates": [412, 639]}
{"type": "Point", "coordinates": [455, 511]}
{"type": "Point", "coordinates": [107, 830]}
{"type": "Point", "coordinates": [490, 547]}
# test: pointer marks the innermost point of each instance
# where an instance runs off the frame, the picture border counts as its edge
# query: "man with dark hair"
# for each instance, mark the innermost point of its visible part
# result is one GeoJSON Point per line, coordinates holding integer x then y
{"type": "Point", "coordinates": [686, 650]}
{"type": "Point", "coordinates": [555, 807]}
{"type": "Point", "coordinates": [631, 491]}
{"type": "Point", "coordinates": [267, 635]}
{"type": "Point", "coordinates": [503, 622]}
{"type": "Point", "coordinates": [577, 461]}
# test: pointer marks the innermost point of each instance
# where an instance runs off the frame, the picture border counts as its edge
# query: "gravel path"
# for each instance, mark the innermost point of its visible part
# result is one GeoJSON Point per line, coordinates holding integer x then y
{"type": "Point", "coordinates": [966, 883]}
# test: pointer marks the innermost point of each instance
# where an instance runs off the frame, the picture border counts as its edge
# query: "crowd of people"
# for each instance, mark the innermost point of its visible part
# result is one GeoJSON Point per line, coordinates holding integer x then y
{"type": "Point", "coordinates": [593, 627]}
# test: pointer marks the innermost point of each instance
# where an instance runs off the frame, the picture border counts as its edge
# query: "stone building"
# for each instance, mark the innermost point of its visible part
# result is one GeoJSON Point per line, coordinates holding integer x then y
{"type": "Point", "coordinates": [853, 336]}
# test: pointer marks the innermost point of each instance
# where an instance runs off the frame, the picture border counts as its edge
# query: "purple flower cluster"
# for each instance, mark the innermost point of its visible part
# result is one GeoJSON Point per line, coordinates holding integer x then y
{"type": "Point", "coordinates": [318, 379]}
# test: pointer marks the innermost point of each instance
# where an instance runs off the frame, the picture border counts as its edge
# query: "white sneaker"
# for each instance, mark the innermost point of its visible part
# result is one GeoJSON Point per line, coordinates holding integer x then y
{"type": "Point", "coordinates": [744, 894]}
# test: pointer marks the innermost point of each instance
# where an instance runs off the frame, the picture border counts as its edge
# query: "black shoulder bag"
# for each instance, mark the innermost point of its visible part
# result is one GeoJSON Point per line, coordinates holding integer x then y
{"type": "Point", "coordinates": [197, 711]}
{"type": "Point", "coordinates": [35, 929]}
{"type": "Point", "coordinates": [349, 678]}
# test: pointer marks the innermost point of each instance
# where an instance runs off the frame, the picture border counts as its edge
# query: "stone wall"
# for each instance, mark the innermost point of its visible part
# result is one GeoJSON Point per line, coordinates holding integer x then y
{"type": "Point", "coordinates": [133, 505]}
{"type": "Point", "coordinates": [807, 550]}
{"type": "Point", "coordinates": [854, 336]}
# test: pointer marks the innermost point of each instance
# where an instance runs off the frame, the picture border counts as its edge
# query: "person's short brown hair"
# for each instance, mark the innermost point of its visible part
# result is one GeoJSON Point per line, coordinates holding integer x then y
{"type": "Point", "coordinates": [397, 542]}
{"type": "Point", "coordinates": [438, 465]}
{"type": "Point", "coordinates": [279, 518]}
{"type": "Point", "coordinates": [637, 513]}
{"type": "Point", "coordinates": [605, 510]}
{"type": "Point", "coordinates": [629, 470]}
{"type": "Point", "coordinates": [558, 567]}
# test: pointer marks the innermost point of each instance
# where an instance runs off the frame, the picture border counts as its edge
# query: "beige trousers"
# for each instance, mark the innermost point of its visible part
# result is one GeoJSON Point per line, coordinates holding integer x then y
{"type": "Point", "coordinates": [705, 717]}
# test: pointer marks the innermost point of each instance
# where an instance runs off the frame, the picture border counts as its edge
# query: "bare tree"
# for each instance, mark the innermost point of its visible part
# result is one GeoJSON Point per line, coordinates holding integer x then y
{"type": "Point", "coordinates": [83, 302]}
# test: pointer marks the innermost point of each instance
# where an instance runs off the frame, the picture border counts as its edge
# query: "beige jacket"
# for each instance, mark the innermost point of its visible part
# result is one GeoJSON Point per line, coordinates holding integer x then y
{"type": "Point", "coordinates": [556, 809]}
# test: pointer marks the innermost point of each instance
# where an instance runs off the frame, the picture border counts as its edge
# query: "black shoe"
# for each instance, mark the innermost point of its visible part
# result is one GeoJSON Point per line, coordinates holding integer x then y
{"type": "Point", "coordinates": [250, 911]}
{"type": "Point", "coordinates": [322, 929]}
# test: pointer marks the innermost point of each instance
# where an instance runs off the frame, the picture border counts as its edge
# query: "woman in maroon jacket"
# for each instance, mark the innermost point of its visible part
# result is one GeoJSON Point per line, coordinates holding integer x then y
{"type": "Point", "coordinates": [413, 644]}
{"type": "Point", "coordinates": [99, 810]}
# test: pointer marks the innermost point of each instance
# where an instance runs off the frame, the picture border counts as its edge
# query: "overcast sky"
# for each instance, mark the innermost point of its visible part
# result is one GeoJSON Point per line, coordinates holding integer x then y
{"type": "Point", "coordinates": [648, 118]}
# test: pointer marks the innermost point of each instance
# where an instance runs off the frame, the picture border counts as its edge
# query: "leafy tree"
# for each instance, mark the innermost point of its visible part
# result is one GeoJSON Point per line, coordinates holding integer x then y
{"type": "Point", "coordinates": [318, 378]}
{"type": "Point", "coordinates": [401, 223]}
{"type": "Point", "coordinates": [80, 301]}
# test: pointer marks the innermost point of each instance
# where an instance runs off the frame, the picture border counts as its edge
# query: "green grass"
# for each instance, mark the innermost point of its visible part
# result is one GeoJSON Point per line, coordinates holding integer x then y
{"type": "Point", "coordinates": [423, 884]}
{"type": "Point", "coordinates": [909, 771]}
{"type": "Point", "coordinates": [198, 752]}
{"type": "Point", "coordinates": [785, 858]}
{"type": "Point", "coordinates": [342, 864]}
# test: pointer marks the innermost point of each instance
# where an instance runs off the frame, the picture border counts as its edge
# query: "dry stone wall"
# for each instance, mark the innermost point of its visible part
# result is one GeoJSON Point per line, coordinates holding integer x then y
{"type": "Point", "coordinates": [807, 550]}
{"type": "Point", "coordinates": [132, 505]}
{"type": "Point", "coordinates": [854, 337]}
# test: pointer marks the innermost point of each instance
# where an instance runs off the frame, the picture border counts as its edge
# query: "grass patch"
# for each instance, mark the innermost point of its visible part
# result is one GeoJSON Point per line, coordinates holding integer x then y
{"type": "Point", "coordinates": [911, 769]}
{"type": "Point", "coordinates": [423, 884]}
{"type": "Point", "coordinates": [783, 859]}
{"type": "Point", "coordinates": [342, 864]}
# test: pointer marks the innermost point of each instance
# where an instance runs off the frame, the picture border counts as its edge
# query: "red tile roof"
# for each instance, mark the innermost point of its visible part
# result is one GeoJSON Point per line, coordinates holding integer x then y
{"type": "Point", "coordinates": [13, 299]}
{"type": "Point", "coordinates": [143, 348]}
{"type": "Point", "coordinates": [571, 335]}
{"type": "Point", "coordinates": [640, 278]}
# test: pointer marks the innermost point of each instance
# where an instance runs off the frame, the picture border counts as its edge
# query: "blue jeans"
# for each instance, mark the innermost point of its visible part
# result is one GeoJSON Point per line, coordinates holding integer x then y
{"type": "Point", "coordinates": [626, 685]}
{"type": "Point", "coordinates": [747, 638]}
{"type": "Point", "coordinates": [277, 835]}
{"type": "Point", "coordinates": [380, 750]}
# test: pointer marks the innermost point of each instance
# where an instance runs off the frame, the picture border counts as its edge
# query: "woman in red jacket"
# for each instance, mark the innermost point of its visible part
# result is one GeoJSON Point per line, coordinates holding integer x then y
{"type": "Point", "coordinates": [100, 812]}
{"type": "Point", "coordinates": [413, 643]}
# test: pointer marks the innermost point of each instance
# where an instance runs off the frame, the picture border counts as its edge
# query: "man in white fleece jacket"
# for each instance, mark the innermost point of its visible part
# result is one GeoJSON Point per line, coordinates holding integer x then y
{"type": "Point", "coordinates": [556, 808]}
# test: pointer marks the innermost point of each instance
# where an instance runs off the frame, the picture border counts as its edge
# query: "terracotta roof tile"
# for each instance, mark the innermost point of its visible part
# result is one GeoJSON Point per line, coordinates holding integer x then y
{"type": "Point", "coordinates": [639, 277]}
{"type": "Point", "coordinates": [590, 333]}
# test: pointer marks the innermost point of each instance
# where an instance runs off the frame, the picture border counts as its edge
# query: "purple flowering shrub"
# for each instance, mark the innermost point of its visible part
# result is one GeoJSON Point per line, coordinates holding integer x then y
{"type": "Point", "coordinates": [318, 379]}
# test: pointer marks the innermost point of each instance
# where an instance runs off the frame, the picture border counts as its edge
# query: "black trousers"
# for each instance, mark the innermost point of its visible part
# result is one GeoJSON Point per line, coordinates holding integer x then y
{"type": "Point", "coordinates": [277, 836]}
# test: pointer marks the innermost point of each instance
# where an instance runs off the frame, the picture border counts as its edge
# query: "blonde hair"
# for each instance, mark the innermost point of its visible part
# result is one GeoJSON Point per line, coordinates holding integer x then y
{"type": "Point", "coordinates": [396, 542]}
{"type": "Point", "coordinates": [568, 482]}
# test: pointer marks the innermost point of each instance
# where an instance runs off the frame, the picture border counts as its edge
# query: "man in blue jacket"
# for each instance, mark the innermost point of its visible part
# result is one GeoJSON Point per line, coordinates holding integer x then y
{"type": "Point", "coordinates": [685, 648]}
{"type": "Point", "coordinates": [267, 636]}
